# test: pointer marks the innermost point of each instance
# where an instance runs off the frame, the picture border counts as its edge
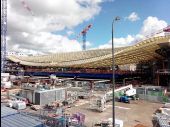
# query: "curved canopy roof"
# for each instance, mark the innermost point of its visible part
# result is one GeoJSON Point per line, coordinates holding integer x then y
{"type": "Point", "coordinates": [142, 51]}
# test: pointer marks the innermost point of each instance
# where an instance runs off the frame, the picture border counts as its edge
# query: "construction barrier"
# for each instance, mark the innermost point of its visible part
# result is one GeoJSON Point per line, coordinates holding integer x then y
{"type": "Point", "coordinates": [152, 93]}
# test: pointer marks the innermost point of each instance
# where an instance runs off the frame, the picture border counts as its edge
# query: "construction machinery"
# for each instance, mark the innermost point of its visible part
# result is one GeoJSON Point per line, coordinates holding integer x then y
{"type": "Point", "coordinates": [124, 94]}
{"type": "Point", "coordinates": [83, 33]}
{"type": "Point", "coordinates": [129, 93]}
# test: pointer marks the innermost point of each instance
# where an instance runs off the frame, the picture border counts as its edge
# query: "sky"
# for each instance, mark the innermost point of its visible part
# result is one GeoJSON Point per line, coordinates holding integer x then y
{"type": "Point", "coordinates": [51, 26]}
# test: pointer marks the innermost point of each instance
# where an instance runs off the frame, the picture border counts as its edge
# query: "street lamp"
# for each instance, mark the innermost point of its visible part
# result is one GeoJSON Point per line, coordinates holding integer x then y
{"type": "Point", "coordinates": [113, 70]}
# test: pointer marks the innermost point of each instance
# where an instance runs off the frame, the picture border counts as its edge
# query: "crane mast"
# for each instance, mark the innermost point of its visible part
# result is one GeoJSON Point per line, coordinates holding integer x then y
{"type": "Point", "coordinates": [3, 33]}
{"type": "Point", "coordinates": [83, 33]}
{"type": "Point", "coordinates": [84, 41]}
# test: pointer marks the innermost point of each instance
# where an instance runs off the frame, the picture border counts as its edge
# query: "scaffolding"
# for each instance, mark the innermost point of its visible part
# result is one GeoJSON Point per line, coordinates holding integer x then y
{"type": "Point", "coordinates": [161, 120]}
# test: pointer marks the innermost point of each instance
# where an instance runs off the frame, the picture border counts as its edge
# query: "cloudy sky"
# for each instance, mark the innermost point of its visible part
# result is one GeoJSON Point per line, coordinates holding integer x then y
{"type": "Point", "coordinates": [50, 26]}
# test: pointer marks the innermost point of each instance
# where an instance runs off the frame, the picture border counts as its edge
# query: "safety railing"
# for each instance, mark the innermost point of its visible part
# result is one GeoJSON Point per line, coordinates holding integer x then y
{"type": "Point", "coordinates": [163, 71]}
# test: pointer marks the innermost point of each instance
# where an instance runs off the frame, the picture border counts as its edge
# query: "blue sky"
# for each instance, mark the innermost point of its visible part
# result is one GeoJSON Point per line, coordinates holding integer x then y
{"type": "Point", "coordinates": [51, 26]}
{"type": "Point", "coordinates": [100, 33]}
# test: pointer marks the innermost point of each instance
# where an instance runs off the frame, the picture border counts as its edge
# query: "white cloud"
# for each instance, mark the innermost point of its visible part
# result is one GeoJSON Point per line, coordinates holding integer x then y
{"type": "Point", "coordinates": [70, 33]}
{"type": "Point", "coordinates": [88, 44]}
{"type": "Point", "coordinates": [29, 33]}
{"type": "Point", "coordinates": [150, 25]}
{"type": "Point", "coordinates": [44, 42]}
{"type": "Point", "coordinates": [119, 42]}
{"type": "Point", "coordinates": [8, 38]}
{"type": "Point", "coordinates": [25, 34]}
{"type": "Point", "coordinates": [133, 17]}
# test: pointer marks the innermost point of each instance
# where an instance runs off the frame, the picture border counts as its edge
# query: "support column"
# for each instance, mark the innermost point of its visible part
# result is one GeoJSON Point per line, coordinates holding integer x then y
{"type": "Point", "coordinates": [168, 62]}
{"type": "Point", "coordinates": [163, 65]}
{"type": "Point", "coordinates": [91, 85]}
{"type": "Point", "coordinates": [168, 55]}
{"type": "Point", "coordinates": [158, 78]}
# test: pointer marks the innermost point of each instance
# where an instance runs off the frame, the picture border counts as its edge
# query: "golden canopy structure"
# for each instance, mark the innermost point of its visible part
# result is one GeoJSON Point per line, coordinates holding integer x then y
{"type": "Point", "coordinates": [140, 52]}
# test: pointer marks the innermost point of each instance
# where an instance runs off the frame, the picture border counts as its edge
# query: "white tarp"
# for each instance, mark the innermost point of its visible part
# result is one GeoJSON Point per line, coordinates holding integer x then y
{"type": "Point", "coordinates": [167, 105]}
{"type": "Point", "coordinates": [5, 74]}
{"type": "Point", "coordinates": [6, 84]}
{"type": "Point", "coordinates": [118, 123]}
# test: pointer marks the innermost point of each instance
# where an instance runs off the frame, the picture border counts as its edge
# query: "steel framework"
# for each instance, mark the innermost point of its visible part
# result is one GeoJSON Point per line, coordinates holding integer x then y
{"type": "Point", "coordinates": [3, 32]}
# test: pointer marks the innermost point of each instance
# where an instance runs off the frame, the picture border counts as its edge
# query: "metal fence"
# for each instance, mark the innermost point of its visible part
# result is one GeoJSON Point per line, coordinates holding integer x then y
{"type": "Point", "coordinates": [152, 93]}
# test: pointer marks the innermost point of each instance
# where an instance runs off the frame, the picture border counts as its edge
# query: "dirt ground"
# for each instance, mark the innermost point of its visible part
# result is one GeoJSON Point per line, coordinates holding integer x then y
{"type": "Point", "coordinates": [138, 112]}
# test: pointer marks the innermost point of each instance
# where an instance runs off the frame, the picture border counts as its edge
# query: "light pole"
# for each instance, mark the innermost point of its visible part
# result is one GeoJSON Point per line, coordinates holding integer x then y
{"type": "Point", "coordinates": [113, 70]}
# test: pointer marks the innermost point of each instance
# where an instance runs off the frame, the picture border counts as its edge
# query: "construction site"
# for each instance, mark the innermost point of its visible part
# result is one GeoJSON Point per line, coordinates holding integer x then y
{"type": "Point", "coordinates": [76, 89]}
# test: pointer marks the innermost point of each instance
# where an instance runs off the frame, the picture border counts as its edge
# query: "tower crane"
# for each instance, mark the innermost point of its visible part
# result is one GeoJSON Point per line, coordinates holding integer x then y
{"type": "Point", "coordinates": [83, 33]}
{"type": "Point", "coordinates": [3, 33]}
{"type": "Point", "coordinates": [163, 30]}
{"type": "Point", "coordinates": [25, 5]}
{"type": "Point", "coordinates": [167, 29]}
{"type": "Point", "coordinates": [156, 33]}
{"type": "Point", "coordinates": [4, 30]}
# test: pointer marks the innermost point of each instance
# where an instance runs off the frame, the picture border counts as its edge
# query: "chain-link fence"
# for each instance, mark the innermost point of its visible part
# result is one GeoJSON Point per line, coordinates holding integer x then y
{"type": "Point", "coordinates": [152, 93]}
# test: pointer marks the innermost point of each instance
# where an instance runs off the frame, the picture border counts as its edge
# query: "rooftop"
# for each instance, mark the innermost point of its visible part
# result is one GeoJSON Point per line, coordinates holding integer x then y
{"type": "Point", "coordinates": [12, 118]}
{"type": "Point", "coordinates": [142, 51]}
